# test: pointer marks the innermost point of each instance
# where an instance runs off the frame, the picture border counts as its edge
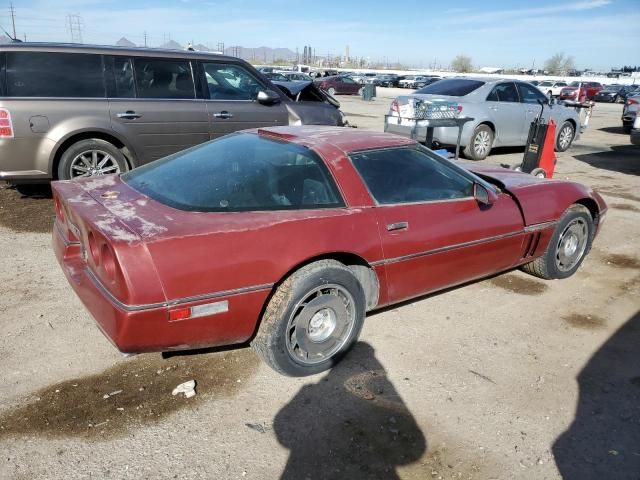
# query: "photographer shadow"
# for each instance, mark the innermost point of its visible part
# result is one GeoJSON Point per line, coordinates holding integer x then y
{"type": "Point", "coordinates": [350, 424]}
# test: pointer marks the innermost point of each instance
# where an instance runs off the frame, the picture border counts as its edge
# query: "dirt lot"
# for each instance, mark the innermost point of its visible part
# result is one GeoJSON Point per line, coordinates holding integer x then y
{"type": "Point", "coordinates": [510, 377]}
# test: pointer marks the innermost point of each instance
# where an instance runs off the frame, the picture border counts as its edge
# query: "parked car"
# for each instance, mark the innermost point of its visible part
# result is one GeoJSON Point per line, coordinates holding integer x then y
{"type": "Point", "coordinates": [236, 239]}
{"type": "Point", "coordinates": [339, 85]}
{"type": "Point", "coordinates": [388, 80]}
{"type": "Point", "coordinates": [426, 81]}
{"type": "Point", "coordinates": [406, 81]}
{"type": "Point", "coordinates": [551, 88]}
{"type": "Point", "coordinates": [612, 94]}
{"type": "Point", "coordinates": [75, 111]}
{"type": "Point", "coordinates": [630, 91]}
{"type": "Point", "coordinates": [299, 76]}
{"type": "Point", "coordinates": [502, 111]}
{"type": "Point", "coordinates": [635, 131]}
{"type": "Point", "coordinates": [630, 112]}
{"type": "Point", "coordinates": [588, 90]}
{"type": "Point", "coordinates": [276, 76]}
{"type": "Point", "coordinates": [535, 83]}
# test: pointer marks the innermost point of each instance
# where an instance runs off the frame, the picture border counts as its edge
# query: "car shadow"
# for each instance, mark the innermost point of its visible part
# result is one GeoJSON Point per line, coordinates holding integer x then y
{"type": "Point", "coordinates": [351, 424]}
{"type": "Point", "coordinates": [615, 130]}
{"type": "Point", "coordinates": [604, 439]}
{"type": "Point", "coordinates": [621, 158]}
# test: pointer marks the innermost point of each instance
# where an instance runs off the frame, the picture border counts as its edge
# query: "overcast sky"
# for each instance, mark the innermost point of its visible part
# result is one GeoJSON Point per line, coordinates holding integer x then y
{"type": "Point", "coordinates": [599, 33]}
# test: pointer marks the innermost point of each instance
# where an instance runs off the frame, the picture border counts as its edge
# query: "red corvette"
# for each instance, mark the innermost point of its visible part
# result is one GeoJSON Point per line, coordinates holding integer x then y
{"type": "Point", "coordinates": [287, 236]}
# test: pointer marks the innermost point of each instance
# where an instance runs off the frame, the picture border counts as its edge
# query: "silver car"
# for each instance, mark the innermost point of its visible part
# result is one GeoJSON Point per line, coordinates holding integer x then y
{"type": "Point", "coordinates": [502, 111]}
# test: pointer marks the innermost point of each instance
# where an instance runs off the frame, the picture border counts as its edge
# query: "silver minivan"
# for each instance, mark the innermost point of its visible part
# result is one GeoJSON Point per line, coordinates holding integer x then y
{"type": "Point", "coordinates": [71, 111]}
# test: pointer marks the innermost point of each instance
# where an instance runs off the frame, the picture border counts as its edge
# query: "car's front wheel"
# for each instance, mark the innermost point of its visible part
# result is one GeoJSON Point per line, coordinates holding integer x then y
{"type": "Point", "coordinates": [332, 91]}
{"type": "Point", "coordinates": [313, 318]}
{"type": "Point", "coordinates": [568, 246]}
{"type": "Point", "coordinates": [480, 143]}
{"type": "Point", "coordinates": [565, 136]}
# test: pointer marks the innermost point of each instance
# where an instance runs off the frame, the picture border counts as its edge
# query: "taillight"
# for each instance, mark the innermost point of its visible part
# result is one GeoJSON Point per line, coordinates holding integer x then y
{"type": "Point", "coordinates": [459, 109]}
{"type": "Point", "coordinates": [632, 101]}
{"type": "Point", "coordinates": [108, 262]}
{"type": "Point", "coordinates": [6, 127]}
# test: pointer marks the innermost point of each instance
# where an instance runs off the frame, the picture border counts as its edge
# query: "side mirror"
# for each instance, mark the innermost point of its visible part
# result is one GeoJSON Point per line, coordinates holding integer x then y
{"type": "Point", "coordinates": [268, 97]}
{"type": "Point", "coordinates": [483, 195]}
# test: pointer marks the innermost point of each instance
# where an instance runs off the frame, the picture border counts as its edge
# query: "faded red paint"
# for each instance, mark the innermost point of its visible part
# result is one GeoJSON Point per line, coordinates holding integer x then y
{"type": "Point", "coordinates": [163, 255]}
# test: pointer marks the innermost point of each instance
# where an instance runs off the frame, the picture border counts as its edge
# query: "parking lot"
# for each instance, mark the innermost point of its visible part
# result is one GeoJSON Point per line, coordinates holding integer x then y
{"type": "Point", "coordinates": [509, 377]}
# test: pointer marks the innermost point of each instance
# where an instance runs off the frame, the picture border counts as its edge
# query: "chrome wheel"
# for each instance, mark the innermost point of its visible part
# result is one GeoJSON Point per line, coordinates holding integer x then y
{"type": "Point", "coordinates": [565, 137]}
{"type": "Point", "coordinates": [572, 244]}
{"type": "Point", "coordinates": [482, 143]}
{"type": "Point", "coordinates": [320, 324]}
{"type": "Point", "coordinates": [331, 91]}
{"type": "Point", "coordinates": [93, 163]}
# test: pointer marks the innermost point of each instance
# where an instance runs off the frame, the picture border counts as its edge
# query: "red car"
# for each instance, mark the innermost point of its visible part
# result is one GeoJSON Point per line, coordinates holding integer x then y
{"type": "Point", "coordinates": [339, 85]}
{"type": "Point", "coordinates": [588, 90]}
{"type": "Point", "coordinates": [286, 236]}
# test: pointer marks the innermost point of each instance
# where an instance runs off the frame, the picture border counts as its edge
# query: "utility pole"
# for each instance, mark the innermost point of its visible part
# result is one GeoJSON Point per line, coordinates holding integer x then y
{"type": "Point", "coordinates": [145, 39]}
{"type": "Point", "coordinates": [75, 28]}
{"type": "Point", "coordinates": [13, 18]}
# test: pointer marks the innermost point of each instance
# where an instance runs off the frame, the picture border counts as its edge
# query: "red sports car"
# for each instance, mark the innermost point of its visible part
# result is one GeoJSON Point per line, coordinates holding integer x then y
{"type": "Point", "coordinates": [286, 236]}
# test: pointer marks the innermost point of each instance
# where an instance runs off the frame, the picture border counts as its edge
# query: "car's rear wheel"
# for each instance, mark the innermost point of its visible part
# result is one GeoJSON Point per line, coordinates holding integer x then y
{"type": "Point", "coordinates": [565, 136]}
{"type": "Point", "coordinates": [331, 91]}
{"type": "Point", "coordinates": [360, 90]}
{"type": "Point", "coordinates": [90, 158]}
{"type": "Point", "coordinates": [618, 99]}
{"type": "Point", "coordinates": [480, 143]}
{"type": "Point", "coordinates": [312, 319]}
{"type": "Point", "coordinates": [568, 246]}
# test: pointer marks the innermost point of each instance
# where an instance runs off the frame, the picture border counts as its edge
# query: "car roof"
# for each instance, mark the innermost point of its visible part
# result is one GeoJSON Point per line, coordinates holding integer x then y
{"type": "Point", "coordinates": [345, 139]}
{"type": "Point", "coordinates": [112, 50]}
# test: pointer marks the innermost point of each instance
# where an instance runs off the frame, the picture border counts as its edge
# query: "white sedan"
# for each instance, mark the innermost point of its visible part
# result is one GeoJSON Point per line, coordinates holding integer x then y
{"type": "Point", "coordinates": [551, 88]}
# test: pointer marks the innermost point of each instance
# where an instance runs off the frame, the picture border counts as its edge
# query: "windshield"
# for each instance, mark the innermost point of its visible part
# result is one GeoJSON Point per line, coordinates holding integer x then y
{"type": "Point", "coordinates": [453, 87]}
{"type": "Point", "coordinates": [239, 172]}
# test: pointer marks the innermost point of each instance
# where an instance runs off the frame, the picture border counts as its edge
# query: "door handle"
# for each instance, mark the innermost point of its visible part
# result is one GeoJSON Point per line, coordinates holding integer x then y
{"type": "Point", "coordinates": [129, 114]}
{"type": "Point", "coordinates": [391, 227]}
{"type": "Point", "coordinates": [223, 114]}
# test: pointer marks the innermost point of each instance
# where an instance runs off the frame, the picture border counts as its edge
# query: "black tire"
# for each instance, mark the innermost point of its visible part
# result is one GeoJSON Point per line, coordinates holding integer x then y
{"type": "Point", "coordinates": [569, 130]}
{"type": "Point", "coordinates": [548, 265]}
{"type": "Point", "coordinates": [539, 172]}
{"type": "Point", "coordinates": [274, 339]}
{"type": "Point", "coordinates": [626, 128]}
{"type": "Point", "coordinates": [480, 143]}
{"type": "Point", "coordinates": [67, 167]}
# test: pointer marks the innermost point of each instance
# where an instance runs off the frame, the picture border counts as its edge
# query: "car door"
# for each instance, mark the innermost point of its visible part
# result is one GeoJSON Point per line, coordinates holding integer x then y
{"type": "Point", "coordinates": [434, 233]}
{"type": "Point", "coordinates": [348, 86]}
{"type": "Point", "coordinates": [153, 105]}
{"type": "Point", "coordinates": [530, 97]}
{"type": "Point", "coordinates": [507, 114]}
{"type": "Point", "coordinates": [231, 92]}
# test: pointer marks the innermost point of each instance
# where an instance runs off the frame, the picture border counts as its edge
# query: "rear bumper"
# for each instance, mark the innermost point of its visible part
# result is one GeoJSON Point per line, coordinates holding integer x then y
{"type": "Point", "coordinates": [147, 328]}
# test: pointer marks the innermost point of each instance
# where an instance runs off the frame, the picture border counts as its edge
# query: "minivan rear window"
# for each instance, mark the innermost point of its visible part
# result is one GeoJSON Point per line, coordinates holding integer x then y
{"type": "Point", "coordinates": [453, 87]}
{"type": "Point", "coordinates": [52, 74]}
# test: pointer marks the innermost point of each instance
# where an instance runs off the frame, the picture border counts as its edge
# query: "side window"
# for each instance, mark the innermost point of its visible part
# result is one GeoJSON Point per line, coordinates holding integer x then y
{"type": "Point", "coordinates": [530, 94]}
{"type": "Point", "coordinates": [123, 84]}
{"type": "Point", "coordinates": [50, 74]}
{"type": "Point", "coordinates": [504, 92]}
{"type": "Point", "coordinates": [230, 82]}
{"type": "Point", "coordinates": [561, 84]}
{"type": "Point", "coordinates": [162, 78]}
{"type": "Point", "coordinates": [347, 80]}
{"type": "Point", "coordinates": [406, 175]}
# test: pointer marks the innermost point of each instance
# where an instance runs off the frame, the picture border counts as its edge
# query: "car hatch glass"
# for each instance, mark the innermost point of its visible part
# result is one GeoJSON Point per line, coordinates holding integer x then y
{"type": "Point", "coordinates": [239, 172]}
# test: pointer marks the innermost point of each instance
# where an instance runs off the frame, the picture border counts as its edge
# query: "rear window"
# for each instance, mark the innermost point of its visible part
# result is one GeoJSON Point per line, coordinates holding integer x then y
{"type": "Point", "coordinates": [50, 74]}
{"type": "Point", "coordinates": [240, 172]}
{"type": "Point", "coordinates": [454, 87]}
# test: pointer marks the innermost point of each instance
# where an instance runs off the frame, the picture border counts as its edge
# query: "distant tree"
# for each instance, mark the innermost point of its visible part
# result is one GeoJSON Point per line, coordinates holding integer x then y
{"type": "Point", "coordinates": [559, 64]}
{"type": "Point", "coordinates": [462, 64]}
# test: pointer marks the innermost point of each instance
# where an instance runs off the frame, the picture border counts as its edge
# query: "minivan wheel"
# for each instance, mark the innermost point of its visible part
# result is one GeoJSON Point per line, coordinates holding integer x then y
{"type": "Point", "coordinates": [91, 158]}
{"type": "Point", "coordinates": [480, 143]}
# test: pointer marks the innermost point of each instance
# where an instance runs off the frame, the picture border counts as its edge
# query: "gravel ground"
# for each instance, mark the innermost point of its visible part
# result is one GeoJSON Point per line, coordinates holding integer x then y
{"type": "Point", "coordinates": [510, 377]}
